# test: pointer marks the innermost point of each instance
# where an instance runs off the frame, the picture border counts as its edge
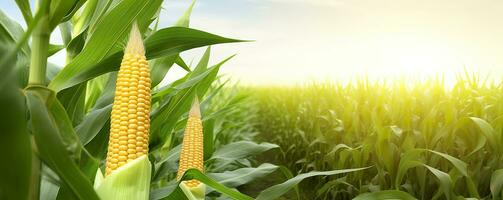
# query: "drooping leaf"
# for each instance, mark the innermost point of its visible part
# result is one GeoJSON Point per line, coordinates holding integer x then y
{"type": "Point", "coordinates": [243, 176]}
{"type": "Point", "coordinates": [488, 132]}
{"type": "Point", "coordinates": [458, 164]}
{"type": "Point", "coordinates": [276, 191]}
{"type": "Point", "coordinates": [196, 174]}
{"type": "Point", "coordinates": [444, 179]}
{"type": "Point", "coordinates": [241, 149]}
{"type": "Point", "coordinates": [51, 146]}
{"type": "Point", "coordinates": [385, 195]}
{"type": "Point", "coordinates": [165, 42]}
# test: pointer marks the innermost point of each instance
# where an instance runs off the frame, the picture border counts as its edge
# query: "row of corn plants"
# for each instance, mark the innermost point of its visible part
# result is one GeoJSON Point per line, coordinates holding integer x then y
{"type": "Point", "coordinates": [422, 138]}
{"type": "Point", "coordinates": [102, 126]}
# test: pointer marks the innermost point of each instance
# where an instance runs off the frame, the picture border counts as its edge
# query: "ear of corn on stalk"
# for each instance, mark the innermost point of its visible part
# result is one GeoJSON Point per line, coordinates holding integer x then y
{"type": "Point", "coordinates": [128, 170]}
{"type": "Point", "coordinates": [130, 120]}
{"type": "Point", "coordinates": [192, 153]}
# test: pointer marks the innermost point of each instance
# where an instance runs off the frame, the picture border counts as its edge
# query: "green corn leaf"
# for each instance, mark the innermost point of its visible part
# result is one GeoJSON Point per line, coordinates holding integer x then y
{"type": "Point", "coordinates": [53, 48]}
{"type": "Point", "coordinates": [160, 66]}
{"type": "Point", "coordinates": [15, 147]}
{"type": "Point", "coordinates": [51, 146]}
{"type": "Point", "coordinates": [48, 189]}
{"type": "Point", "coordinates": [99, 11]}
{"type": "Point", "coordinates": [179, 61]}
{"type": "Point", "coordinates": [289, 175]}
{"type": "Point", "coordinates": [24, 7]}
{"type": "Point", "coordinates": [168, 164]}
{"type": "Point", "coordinates": [458, 164]}
{"type": "Point", "coordinates": [385, 195]}
{"type": "Point", "coordinates": [94, 90]}
{"type": "Point", "coordinates": [61, 8]}
{"type": "Point", "coordinates": [208, 140]}
{"type": "Point", "coordinates": [243, 176]}
{"type": "Point", "coordinates": [242, 149]}
{"type": "Point", "coordinates": [99, 145]}
{"type": "Point", "coordinates": [73, 99]}
{"type": "Point", "coordinates": [107, 39]}
{"type": "Point", "coordinates": [185, 18]}
{"type": "Point", "coordinates": [11, 32]}
{"type": "Point", "coordinates": [92, 123]}
{"type": "Point", "coordinates": [165, 42]}
{"type": "Point", "coordinates": [488, 132]}
{"type": "Point", "coordinates": [166, 116]}
{"type": "Point", "coordinates": [497, 184]}
{"type": "Point", "coordinates": [174, 40]}
{"type": "Point", "coordinates": [88, 12]}
{"type": "Point", "coordinates": [94, 120]}
{"type": "Point", "coordinates": [203, 63]}
{"type": "Point", "coordinates": [444, 180]}
{"type": "Point", "coordinates": [205, 78]}
{"type": "Point", "coordinates": [276, 191]}
{"type": "Point", "coordinates": [174, 193]}
{"type": "Point", "coordinates": [196, 174]}
{"type": "Point", "coordinates": [75, 46]}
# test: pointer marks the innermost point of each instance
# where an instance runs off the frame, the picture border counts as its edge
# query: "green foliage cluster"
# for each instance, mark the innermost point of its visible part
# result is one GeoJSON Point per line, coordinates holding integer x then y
{"type": "Point", "coordinates": [55, 120]}
{"type": "Point", "coordinates": [422, 138]}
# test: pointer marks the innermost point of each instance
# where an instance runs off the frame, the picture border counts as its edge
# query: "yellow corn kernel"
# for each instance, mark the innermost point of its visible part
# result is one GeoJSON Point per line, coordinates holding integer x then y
{"type": "Point", "coordinates": [130, 120]}
{"type": "Point", "coordinates": [192, 146]}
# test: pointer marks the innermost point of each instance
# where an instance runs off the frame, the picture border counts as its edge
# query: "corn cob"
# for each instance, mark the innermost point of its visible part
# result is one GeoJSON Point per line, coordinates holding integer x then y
{"type": "Point", "coordinates": [192, 145]}
{"type": "Point", "coordinates": [130, 120]}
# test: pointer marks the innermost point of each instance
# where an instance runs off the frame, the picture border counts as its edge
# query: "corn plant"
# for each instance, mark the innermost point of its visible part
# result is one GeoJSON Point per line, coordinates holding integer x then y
{"type": "Point", "coordinates": [102, 126]}
{"type": "Point", "coordinates": [425, 140]}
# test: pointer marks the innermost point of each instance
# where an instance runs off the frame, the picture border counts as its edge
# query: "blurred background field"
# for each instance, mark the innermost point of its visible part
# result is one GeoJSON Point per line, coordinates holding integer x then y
{"type": "Point", "coordinates": [411, 133]}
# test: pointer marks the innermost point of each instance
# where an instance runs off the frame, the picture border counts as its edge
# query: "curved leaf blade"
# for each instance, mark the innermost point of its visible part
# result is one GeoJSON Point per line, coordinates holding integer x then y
{"type": "Point", "coordinates": [276, 191]}
{"type": "Point", "coordinates": [51, 147]}
{"type": "Point", "coordinates": [165, 42]}
{"type": "Point", "coordinates": [196, 174]}
{"type": "Point", "coordinates": [385, 195]}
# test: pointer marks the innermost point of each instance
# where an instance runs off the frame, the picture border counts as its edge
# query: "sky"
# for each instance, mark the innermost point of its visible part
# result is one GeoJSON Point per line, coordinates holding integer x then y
{"type": "Point", "coordinates": [297, 41]}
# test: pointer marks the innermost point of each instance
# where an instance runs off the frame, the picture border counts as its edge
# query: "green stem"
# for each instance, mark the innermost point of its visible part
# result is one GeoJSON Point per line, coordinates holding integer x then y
{"type": "Point", "coordinates": [39, 53]}
{"type": "Point", "coordinates": [38, 66]}
{"type": "Point", "coordinates": [35, 172]}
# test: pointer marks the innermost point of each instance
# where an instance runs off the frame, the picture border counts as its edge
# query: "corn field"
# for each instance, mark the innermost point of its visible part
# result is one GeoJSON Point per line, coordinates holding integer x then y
{"type": "Point", "coordinates": [424, 138]}
{"type": "Point", "coordinates": [103, 126]}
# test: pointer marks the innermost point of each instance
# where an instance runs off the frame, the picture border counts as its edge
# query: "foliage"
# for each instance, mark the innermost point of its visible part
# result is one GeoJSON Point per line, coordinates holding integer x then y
{"type": "Point", "coordinates": [57, 118]}
{"type": "Point", "coordinates": [425, 138]}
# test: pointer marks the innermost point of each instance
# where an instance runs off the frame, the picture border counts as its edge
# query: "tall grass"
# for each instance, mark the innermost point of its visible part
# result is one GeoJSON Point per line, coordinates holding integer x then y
{"type": "Point", "coordinates": [432, 141]}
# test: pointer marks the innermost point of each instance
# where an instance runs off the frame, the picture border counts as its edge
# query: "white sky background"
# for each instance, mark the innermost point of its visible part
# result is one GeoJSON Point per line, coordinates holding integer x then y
{"type": "Point", "coordinates": [298, 41]}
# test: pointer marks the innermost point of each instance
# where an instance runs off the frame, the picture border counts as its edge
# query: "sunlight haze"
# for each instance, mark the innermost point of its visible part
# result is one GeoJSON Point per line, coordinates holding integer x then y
{"type": "Point", "coordinates": [296, 41]}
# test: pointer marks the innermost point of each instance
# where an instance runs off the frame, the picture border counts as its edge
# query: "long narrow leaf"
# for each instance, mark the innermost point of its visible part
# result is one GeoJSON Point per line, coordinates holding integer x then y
{"type": "Point", "coordinates": [276, 191]}
{"type": "Point", "coordinates": [51, 147]}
